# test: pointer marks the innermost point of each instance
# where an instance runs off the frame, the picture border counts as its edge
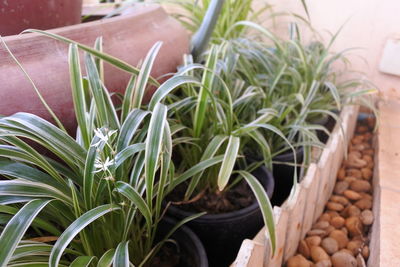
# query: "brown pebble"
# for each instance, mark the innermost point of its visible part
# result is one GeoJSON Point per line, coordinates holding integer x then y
{"type": "Point", "coordinates": [298, 261]}
{"type": "Point", "coordinates": [340, 237]}
{"type": "Point", "coordinates": [334, 206]}
{"type": "Point", "coordinates": [313, 241]}
{"type": "Point", "coordinates": [367, 217]}
{"type": "Point", "coordinates": [355, 162]}
{"type": "Point", "coordinates": [337, 222]}
{"type": "Point", "coordinates": [344, 230]}
{"type": "Point", "coordinates": [330, 245]}
{"type": "Point", "coordinates": [340, 187]}
{"type": "Point", "coordinates": [352, 195]}
{"type": "Point", "coordinates": [354, 173]}
{"type": "Point", "coordinates": [360, 186]}
{"type": "Point", "coordinates": [343, 259]}
{"type": "Point", "coordinates": [339, 199]}
{"type": "Point", "coordinates": [329, 229]}
{"type": "Point", "coordinates": [360, 261]}
{"type": "Point", "coordinates": [333, 213]}
{"type": "Point", "coordinates": [321, 225]}
{"type": "Point", "coordinates": [362, 129]}
{"type": "Point", "coordinates": [367, 158]}
{"type": "Point", "coordinates": [370, 152]}
{"type": "Point", "coordinates": [303, 249]}
{"type": "Point", "coordinates": [318, 254]}
{"type": "Point", "coordinates": [324, 263]}
{"type": "Point", "coordinates": [364, 204]}
{"type": "Point", "coordinates": [345, 250]}
{"type": "Point", "coordinates": [366, 173]}
{"type": "Point", "coordinates": [353, 224]}
{"type": "Point", "coordinates": [366, 195]}
{"type": "Point", "coordinates": [351, 211]}
{"type": "Point", "coordinates": [365, 252]}
{"type": "Point", "coordinates": [354, 246]}
{"type": "Point", "coordinates": [349, 179]}
{"type": "Point", "coordinates": [325, 217]}
{"type": "Point", "coordinates": [317, 232]}
{"type": "Point", "coordinates": [371, 165]}
{"type": "Point", "coordinates": [341, 173]}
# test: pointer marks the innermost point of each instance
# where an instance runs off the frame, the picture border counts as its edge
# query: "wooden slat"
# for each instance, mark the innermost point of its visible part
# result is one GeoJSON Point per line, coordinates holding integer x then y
{"type": "Point", "coordinates": [281, 217]}
{"type": "Point", "coordinates": [295, 222]}
{"type": "Point", "coordinates": [310, 184]}
{"type": "Point", "coordinates": [251, 253]}
{"type": "Point", "coordinates": [324, 167]}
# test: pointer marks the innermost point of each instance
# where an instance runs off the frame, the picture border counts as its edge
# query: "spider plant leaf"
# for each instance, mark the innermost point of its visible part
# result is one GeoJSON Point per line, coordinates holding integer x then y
{"type": "Point", "coordinates": [22, 171]}
{"type": "Point", "coordinates": [107, 58]}
{"type": "Point", "coordinates": [107, 259]}
{"type": "Point", "coordinates": [207, 81]}
{"type": "Point", "coordinates": [88, 174]}
{"type": "Point", "coordinates": [199, 167]}
{"type": "Point", "coordinates": [20, 188]}
{"type": "Point", "coordinates": [170, 85]}
{"type": "Point", "coordinates": [211, 149]}
{"type": "Point", "coordinates": [7, 200]}
{"type": "Point", "coordinates": [16, 228]}
{"type": "Point", "coordinates": [82, 261]}
{"type": "Point", "coordinates": [335, 94]}
{"type": "Point", "coordinates": [78, 94]}
{"type": "Point", "coordinates": [153, 147]}
{"type": "Point", "coordinates": [33, 264]}
{"type": "Point", "coordinates": [98, 45]}
{"type": "Point", "coordinates": [127, 152]}
{"type": "Point", "coordinates": [126, 102]}
{"type": "Point", "coordinates": [75, 228]}
{"type": "Point", "coordinates": [137, 200]}
{"type": "Point", "coordinates": [265, 205]}
{"type": "Point", "coordinates": [228, 163]}
{"type": "Point", "coordinates": [143, 77]}
{"type": "Point", "coordinates": [129, 127]}
{"type": "Point", "coordinates": [121, 257]}
{"type": "Point", "coordinates": [97, 91]}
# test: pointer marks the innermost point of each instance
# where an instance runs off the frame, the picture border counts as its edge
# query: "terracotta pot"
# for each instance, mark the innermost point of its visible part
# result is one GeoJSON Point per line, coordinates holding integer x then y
{"type": "Point", "coordinates": [18, 15]}
{"type": "Point", "coordinates": [127, 37]}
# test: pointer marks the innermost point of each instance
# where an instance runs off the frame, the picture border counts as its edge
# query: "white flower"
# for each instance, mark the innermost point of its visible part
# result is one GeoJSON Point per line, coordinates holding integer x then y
{"type": "Point", "coordinates": [103, 166]}
{"type": "Point", "coordinates": [103, 137]}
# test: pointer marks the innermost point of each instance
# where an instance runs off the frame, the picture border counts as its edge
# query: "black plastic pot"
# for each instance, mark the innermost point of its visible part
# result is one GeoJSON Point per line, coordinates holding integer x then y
{"type": "Point", "coordinates": [329, 123]}
{"type": "Point", "coordinates": [222, 234]}
{"type": "Point", "coordinates": [191, 250]}
{"type": "Point", "coordinates": [283, 175]}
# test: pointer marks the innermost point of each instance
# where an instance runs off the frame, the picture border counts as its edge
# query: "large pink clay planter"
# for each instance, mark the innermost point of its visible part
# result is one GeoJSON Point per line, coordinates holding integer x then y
{"type": "Point", "coordinates": [18, 15]}
{"type": "Point", "coordinates": [128, 37]}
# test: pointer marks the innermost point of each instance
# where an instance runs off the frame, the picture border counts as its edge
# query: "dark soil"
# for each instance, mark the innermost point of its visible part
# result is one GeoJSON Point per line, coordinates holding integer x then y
{"type": "Point", "coordinates": [236, 198]}
{"type": "Point", "coordinates": [168, 256]}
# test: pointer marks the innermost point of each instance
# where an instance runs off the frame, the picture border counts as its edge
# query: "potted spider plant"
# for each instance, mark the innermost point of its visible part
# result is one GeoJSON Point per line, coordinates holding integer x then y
{"type": "Point", "coordinates": [98, 199]}
{"type": "Point", "coordinates": [206, 115]}
{"type": "Point", "coordinates": [18, 15]}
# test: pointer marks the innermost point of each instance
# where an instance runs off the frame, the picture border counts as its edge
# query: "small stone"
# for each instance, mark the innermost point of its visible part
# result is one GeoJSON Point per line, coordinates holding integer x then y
{"type": "Point", "coordinates": [321, 225]}
{"type": "Point", "coordinates": [365, 252]}
{"type": "Point", "coordinates": [298, 261]}
{"type": "Point", "coordinates": [360, 261]}
{"type": "Point", "coordinates": [367, 217]}
{"type": "Point", "coordinates": [303, 249]}
{"type": "Point", "coordinates": [325, 217]}
{"type": "Point", "coordinates": [364, 204]}
{"type": "Point", "coordinates": [318, 254]}
{"type": "Point", "coordinates": [334, 206]}
{"type": "Point", "coordinates": [352, 195]}
{"type": "Point", "coordinates": [340, 199]}
{"type": "Point", "coordinates": [343, 259]}
{"type": "Point", "coordinates": [330, 245]}
{"type": "Point", "coordinates": [337, 222]}
{"type": "Point", "coordinates": [360, 186]}
{"type": "Point", "coordinates": [317, 232]}
{"type": "Point", "coordinates": [340, 237]}
{"type": "Point", "coordinates": [355, 246]}
{"type": "Point", "coordinates": [313, 241]}
{"type": "Point", "coordinates": [354, 173]}
{"type": "Point", "coordinates": [340, 187]}
{"type": "Point", "coordinates": [353, 224]}
{"type": "Point", "coordinates": [366, 173]}
{"type": "Point", "coordinates": [351, 210]}
{"type": "Point", "coordinates": [341, 173]}
{"type": "Point", "coordinates": [324, 263]}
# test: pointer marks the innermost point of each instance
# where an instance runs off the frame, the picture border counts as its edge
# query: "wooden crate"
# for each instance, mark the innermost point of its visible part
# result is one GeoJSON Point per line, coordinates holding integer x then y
{"type": "Point", "coordinates": [296, 216]}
